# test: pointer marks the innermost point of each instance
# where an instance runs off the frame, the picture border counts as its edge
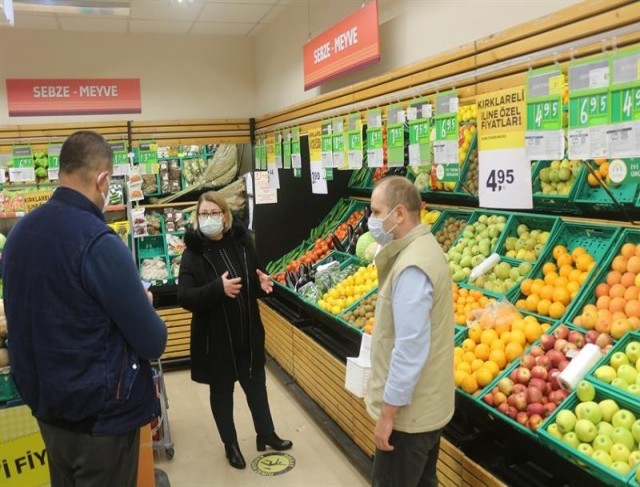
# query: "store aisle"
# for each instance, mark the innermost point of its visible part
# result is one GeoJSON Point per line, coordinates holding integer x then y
{"type": "Point", "coordinates": [199, 455]}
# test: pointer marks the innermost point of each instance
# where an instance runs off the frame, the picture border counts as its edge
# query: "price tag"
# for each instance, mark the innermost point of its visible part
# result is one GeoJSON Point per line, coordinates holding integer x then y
{"type": "Point", "coordinates": [375, 153]}
{"type": "Point", "coordinates": [326, 144]}
{"type": "Point", "coordinates": [339, 144]}
{"type": "Point", "coordinates": [318, 181]}
{"type": "Point", "coordinates": [22, 170]}
{"type": "Point", "coordinates": [395, 140]}
{"type": "Point", "coordinates": [412, 113]}
{"type": "Point", "coordinates": [53, 153]}
{"type": "Point", "coordinates": [420, 134]}
{"type": "Point", "coordinates": [278, 150]}
{"type": "Point", "coordinates": [445, 147]}
{"type": "Point", "coordinates": [274, 179]}
{"type": "Point", "coordinates": [505, 181]}
{"type": "Point", "coordinates": [624, 133]}
{"type": "Point", "coordinates": [589, 107]}
{"type": "Point", "coordinates": [296, 158]}
{"type": "Point", "coordinates": [286, 149]}
{"type": "Point", "coordinates": [148, 157]}
{"type": "Point", "coordinates": [544, 137]}
{"type": "Point", "coordinates": [354, 142]}
{"type": "Point", "coordinates": [121, 162]}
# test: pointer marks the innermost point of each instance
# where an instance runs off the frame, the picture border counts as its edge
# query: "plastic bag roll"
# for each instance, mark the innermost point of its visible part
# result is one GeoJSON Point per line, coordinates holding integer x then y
{"type": "Point", "coordinates": [579, 366]}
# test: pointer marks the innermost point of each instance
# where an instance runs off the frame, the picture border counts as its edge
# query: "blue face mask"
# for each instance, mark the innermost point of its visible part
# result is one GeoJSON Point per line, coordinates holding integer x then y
{"type": "Point", "coordinates": [376, 227]}
{"type": "Point", "coordinates": [210, 226]}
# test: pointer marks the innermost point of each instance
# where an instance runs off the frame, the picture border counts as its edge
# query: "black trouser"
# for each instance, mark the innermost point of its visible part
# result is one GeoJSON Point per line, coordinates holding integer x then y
{"type": "Point", "coordinates": [255, 388]}
{"type": "Point", "coordinates": [412, 463]}
{"type": "Point", "coordinates": [82, 460]}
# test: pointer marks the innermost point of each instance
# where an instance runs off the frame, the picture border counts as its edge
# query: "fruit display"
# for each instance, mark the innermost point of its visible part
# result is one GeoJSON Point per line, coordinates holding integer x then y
{"type": "Point", "coordinates": [476, 243]}
{"type": "Point", "coordinates": [531, 391]}
{"type": "Point", "coordinates": [527, 244]}
{"type": "Point", "coordinates": [466, 134]}
{"type": "Point", "coordinates": [471, 182]}
{"type": "Point", "coordinates": [350, 290]}
{"type": "Point", "coordinates": [449, 231]}
{"type": "Point", "coordinates": [362, 315]}
{"type": "Point", "coordinates": [622, 370]}
{"type": "Point", "coordinates": [429, 217]}
{"type": "Point", "coordinates": [600, 173]}
{"type": "Point", "coordinates": [615, 302]}
{"type": "Point", "coordinates": [465, 301]}
{"type": "Point", "coordinates": [467, 113]}
{"type": "Point", "coordinates": [559, 177]}
{"type": "Point", "coordinates": [466, 137]}
{"type": "Point", "coordinates": [560, 282]}
{"type": "Point", "coordinates": [503, 277]}
{"type": "Point", "coordinates": [499, 336]}
{"type": "Point", "coordinates": [600, 428]}
{"type": "Point", "coordinates": [41, 166]}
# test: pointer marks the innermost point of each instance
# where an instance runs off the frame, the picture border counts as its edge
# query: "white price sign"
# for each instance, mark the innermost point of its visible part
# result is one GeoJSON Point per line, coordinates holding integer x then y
{"type": "Point", "coordinates": [445, 151]}
{"type": "Point", "coordinates": [414, 155]}
{"type": "Point", "coordinates": [318, 181]}
{"type": "Point", "coordinates": [544, 145]}
{"type": "Point", "coordinates": [274, 177]}
{"type": "Point", "coordinates": [355, 159]}
{"type": "Point", "coordinates": [505, 179]}
{"type": "Point", "coordinates": [22, 174]}
{"type": "Point", "coordinates": [579, 144]}
{"type": "Point", "coordinates": [375, 158]}
{"type": "Point", "coordinates": [624, 139]}
{"type": "Point", "coordinates": [338, 160]}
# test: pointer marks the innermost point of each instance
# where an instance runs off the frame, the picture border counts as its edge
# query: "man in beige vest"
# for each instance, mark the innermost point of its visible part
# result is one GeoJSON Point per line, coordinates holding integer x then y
{"type": "Point", "coordinates": [411, 391]}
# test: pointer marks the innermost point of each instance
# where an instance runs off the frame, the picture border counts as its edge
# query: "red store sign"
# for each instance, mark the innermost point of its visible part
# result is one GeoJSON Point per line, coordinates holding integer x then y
{"type": "Point", "coordinates": [350, 44]}
{"type": "Point", "coordinates": [39, 97]}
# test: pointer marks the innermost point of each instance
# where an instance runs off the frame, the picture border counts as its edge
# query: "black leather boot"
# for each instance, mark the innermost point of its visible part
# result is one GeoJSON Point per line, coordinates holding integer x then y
{"type": "Point", "coordinates": [272, 440]}
{"type": "Point", "coordinates": [234, 455]}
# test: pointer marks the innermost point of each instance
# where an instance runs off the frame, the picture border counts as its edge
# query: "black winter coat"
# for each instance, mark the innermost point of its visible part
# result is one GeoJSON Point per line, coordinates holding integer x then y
{"type": "Point", "coordinates": [200, 291]}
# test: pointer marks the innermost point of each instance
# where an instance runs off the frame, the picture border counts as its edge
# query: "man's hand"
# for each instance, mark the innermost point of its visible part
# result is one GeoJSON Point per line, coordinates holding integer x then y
{"type": "Point", "coordinates": [384, 427]}
{"type": "Point", "coordinates": [232, 287]}
{"type": "Point", "coordinates": [265, 281]}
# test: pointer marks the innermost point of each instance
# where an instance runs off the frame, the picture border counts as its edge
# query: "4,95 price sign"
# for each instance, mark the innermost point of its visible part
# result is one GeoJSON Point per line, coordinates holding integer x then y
{"type": "Point", "coordinates": [499, 179]}
{"type": "Point", "coordinates": [544, 135]}
{"type": "Point", "coordinates": [504, 182]}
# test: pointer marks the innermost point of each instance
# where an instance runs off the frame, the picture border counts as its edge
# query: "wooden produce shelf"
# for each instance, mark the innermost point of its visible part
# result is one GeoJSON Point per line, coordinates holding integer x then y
{"type": "Point", "coordinates": [321, 376]}
{"type": "Point", "coordinates": [178, 321]}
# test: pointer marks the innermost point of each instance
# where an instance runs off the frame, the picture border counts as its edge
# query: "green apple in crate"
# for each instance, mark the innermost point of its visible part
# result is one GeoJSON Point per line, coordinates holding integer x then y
{"type": "Point", "coordinates": [608, 407]}
{"type": "Point", "coordinates": [602, 457]}
{"type": "Point", "coordinates": [623, 436]}
{"type": "Point", "coordinates": [585, 391]}
{"type": "Point", "coordinates": [621, 467]}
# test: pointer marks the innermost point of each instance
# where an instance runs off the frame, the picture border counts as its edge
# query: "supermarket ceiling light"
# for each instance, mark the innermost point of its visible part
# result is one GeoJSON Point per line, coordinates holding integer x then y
{"type": "Point", "coordinates": [74, 7]}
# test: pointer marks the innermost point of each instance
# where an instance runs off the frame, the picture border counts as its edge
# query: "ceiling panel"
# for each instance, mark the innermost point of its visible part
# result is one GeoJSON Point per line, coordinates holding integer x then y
{"type": "Point", "coordinates": [163, 10]}
{"type": "Point", "coordinates": [159, 27]}
{"type": "Point", "coordinates": [31, 21]}
{"type": "Point", "coordinates": [232, 12]}
{"type": "Point", "coordinates": [77, 23]}
{"type": "Point", "coordinates": [272, 15]}
{"type": "Point", "coordinates": [222, 28]}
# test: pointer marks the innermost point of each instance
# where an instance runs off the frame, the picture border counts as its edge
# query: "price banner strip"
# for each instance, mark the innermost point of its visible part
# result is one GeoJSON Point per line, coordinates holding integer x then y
{"type": "Point", "coordinates": [624, 132]}
{"type": "Point", "coordinates": [395, 135]}
{"type": "Point", "coordinates": [53, 154]}
{"type": "Point", "coordinates": [355, 146]}
{"type": "Point", "coordinates": [296, 157]}
{"type": "Point", "coordinates": [338, 144]}
{"type": "Point", "coordinates": [588, 108]}
{"type": "Point", "coordinates": [544, 137]}
{"type": "Point", "coordinates": [419, 116]}
{"type": "Point", "coordinates": [22, 170]}
{"type": "Point", "coordinates": [375, 141]}
{"type": "Point", "coordinates": [121, 163]}
{"type": "Point", "coordinates": [445, 147]}
{"type": "Point", "coordinates": [148, 157]}
{"type": "Point", "coordinates": [286, 149]}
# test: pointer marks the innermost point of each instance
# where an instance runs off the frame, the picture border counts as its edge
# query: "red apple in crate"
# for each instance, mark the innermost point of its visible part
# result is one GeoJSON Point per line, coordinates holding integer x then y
{"type": "Point", "coordinates": [563, 365]}
{"type": "Point", "coordinates": [591, 336]}
{"type": "Point", "coordinates": [556, 357]}
{"type": "Point", "coordinates": [603, 340]}
{"type": "Point", "coordinates": [536, 351]}
{"type": "Point", "coordinates": [543, 361]}
{"type": "Point", "coordinates": [519, 388]}
{"type": "Point", "coordinates": [539, 372]}
{"type": "Point", "coordinates": [514, 375]}
{"type": "Point", "coordinates": [535, 408]}
{"type": "Point", "coordinates": [522, 418]}
{"type": "Point", "coordinates": [499, 398]}
{"type": "Point", "coordinates": [560, 344]}
{"type": "Point", "coordinates": [504, 408]}
{"type": "Point", "coordinates": [505, 385]}
{"type": "Point", "coordinates": [534, 395]}
{"type": "Point", "coordinates": [547, 342]}
{"type": "Point", "coordinates": [513, 412]}
{"type": "Point", "coordinates": [538, 383]}
{"type": "Point", "coordinates": [520, 401]}
{"type": "Point", "coordinates": [549, 407]}
{"type": "Point", "coordinates": [523, 375]}
{"type": "Point", "coordinates": [570, 348]}
{"type": "Point", "coordinates": [553, 379]}
{"type": "Point", "coordinates": [535, 420]}
{"type": "Point", "coordinates": [488, 398]}
{"type": "Point", "coordinates": [528, 361]}
{"type": "Point", "coordinates": [561, 332]}
{"type": "Point", "coordinates": [576, 338]}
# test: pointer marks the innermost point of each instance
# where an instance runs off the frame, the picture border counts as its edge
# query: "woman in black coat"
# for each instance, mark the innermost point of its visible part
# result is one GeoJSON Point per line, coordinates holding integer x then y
{"type": "Point", "coordinates": [219, 283]}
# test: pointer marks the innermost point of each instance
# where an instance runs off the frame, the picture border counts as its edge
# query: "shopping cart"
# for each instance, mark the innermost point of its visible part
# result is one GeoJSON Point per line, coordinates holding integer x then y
{"type": "Point", "coordinates": [160, 426]}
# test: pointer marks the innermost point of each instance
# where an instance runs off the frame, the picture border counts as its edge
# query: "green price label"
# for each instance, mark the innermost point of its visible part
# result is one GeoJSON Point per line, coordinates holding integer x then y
{"type": "Point", "coordinates": [418, 131]}
{"type": "Point", "coordinates": [625, 104]}
{"type": "Point", "coordinates": [448, 173]}
{"type": "Point", "coordinates": [395, 137]}
{"type": "Point", "coordinates": [447, 128]}
{"type": "Point", "coordinates": [22, 156]}
{"type": "Point", "coordinates": [295, 146]}
{"type": "Point", "coordinates": [286, 151]}
{"type": "Point", "coordinates": [355, 140]}
{"type": "Point", "coordinates": [588, 110]}
{"type": "Point", "coordinates": [374, 138]}
{"type": "Point", "coordinates": [120, 153]}
{"type": "Point", "coordinates": [544, 115]}
{"type": "Point", "coordinates": [338, 143]}
{"type": "Point", "coordinates": [327, 143]}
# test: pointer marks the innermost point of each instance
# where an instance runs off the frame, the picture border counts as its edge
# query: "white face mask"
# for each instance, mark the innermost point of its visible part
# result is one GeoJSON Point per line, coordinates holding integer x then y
{"type": "Point", "coordinates": [210, 226]}
{"type": "Point", "coordinates": [376, 227]}
{"type": "Point", "coordinates": [105, 196]}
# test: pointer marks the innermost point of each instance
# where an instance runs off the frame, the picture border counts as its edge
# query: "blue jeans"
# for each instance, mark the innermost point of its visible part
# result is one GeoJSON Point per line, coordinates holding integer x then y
{"type": "Point", "coordinates": [412, 463]}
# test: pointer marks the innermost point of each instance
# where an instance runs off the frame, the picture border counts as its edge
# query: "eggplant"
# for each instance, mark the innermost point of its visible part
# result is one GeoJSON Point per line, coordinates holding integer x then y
{"type": "Point", "coordinates": [336, 243]}
{"type": "Point", "coordinates": [291, 278]}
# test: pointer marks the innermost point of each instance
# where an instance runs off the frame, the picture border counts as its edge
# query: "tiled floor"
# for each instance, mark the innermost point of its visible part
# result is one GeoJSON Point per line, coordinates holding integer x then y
{"type": "Point", "coordinates": [199, 455]}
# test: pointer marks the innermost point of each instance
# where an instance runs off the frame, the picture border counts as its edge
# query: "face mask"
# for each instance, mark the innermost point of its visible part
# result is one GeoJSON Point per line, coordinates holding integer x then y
{"type": "Point", "coordinates": [210, 226]}
{"type": "Point", "coordinates": [105, 196]}
{"type": "Point", "coordinates": [376, 227]}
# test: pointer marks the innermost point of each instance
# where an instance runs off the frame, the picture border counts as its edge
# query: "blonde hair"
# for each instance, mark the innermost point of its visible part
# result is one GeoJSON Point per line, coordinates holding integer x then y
{"type": "Point", "coordinates": [218, 199]}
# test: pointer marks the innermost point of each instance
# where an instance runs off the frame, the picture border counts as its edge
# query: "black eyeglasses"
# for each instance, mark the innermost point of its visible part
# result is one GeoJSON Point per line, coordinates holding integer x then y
{"type": "Point", "coordinates": [205, 214]}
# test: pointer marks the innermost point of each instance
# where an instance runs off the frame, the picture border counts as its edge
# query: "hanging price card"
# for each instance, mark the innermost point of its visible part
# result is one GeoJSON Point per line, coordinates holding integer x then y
{"type": "Point", "coordinates": [338, 144]}
{"type": "Point", "coordinates": [327, 144]}
{"type": "Point", "coordinates": [588, 108]}
{"type": "Point", "coordinates": [296, 158]}
{"type": "Point", "coordinates": [256, 154]}
{"type": "Point", "coordinates": [286, 149]}
{"type": "Point", "coordinates": [544, 137]}
{"type": "Point", "coordinates": [148, 157]}
{"type": "Point", "coordinates": [53, 154]}
{"type": "Point", "coordinates": [375, 142]}
{"type": "Point", "coordinates": [263, 153]}
{"type": "Point", "coordinates": [624, 133]}
{"type": "Point", "coordinates": [354, 141]}
{"type": "Point", "coordinates": [395, 135]}
{"type": "Point", "coordinates": [22, 170]}
{"type": "Point", "coordinates": [121, 163]}
{"type": "Point", "coordinates": [445, 147]}
{"type": "Point", "coordinates": [271, 149]}
{"type": "Point", "coordinates": [419, 117]}
{"type": "Point", "coordinates": [279, 150]}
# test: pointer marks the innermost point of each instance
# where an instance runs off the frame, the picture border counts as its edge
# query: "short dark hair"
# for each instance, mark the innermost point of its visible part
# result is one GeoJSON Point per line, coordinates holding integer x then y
{"type": "Point", "coordinates": [85, 151]}
{"type": "Point", "coordinates": [397, 190]}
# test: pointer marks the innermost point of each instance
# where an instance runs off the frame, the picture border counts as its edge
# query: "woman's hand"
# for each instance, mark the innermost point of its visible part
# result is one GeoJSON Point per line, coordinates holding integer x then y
{"type": "Point", "coordinates": [232, 287]}
{"type": "Point", "coordinates": [265, 281]}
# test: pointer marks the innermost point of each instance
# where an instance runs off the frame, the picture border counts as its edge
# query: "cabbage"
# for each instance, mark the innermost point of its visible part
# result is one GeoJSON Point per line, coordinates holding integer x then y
{"type": "Point", "coordinates": [363, 243]}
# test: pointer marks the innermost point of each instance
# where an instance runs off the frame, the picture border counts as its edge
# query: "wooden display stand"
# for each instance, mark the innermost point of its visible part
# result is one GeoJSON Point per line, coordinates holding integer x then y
{"type": "Point", "coordinates": [322, 376]}
{"type": "Point", "coordinates": [178, 321]}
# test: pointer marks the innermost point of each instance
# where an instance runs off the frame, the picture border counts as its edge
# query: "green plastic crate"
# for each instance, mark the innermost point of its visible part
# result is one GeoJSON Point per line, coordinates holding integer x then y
{"type": "Point", "coordinates": [606, 475]}
{"type": "Point", "coordinates": [462, 215]}
{"type": "Point", "coordinates": [533, 222]}
{"type": "Point", "coordinates": [150, 246]}
{"type": "Point", "coordinates": [589, 198]}
{"type": "Point", "coordinates": [8, 390]}
{"type": "Point", "coordinates": [554, 203]}
{"type": "Point", "coordinates": [619, 346]}
{"type": "Point", "coordinates": [596, 239]}
{"type": "Point", "coordinates": [357, 303]}
{"type": "Point", "coordinates": [511, 292]}
{"type": "Point", "coordinates": [461, 187]}
{"type": "Point", "coordinates": [587, 295]}
{"type": "Point", "coordinates": [360, 180]}
{"type": "Point", "coordinates": [475, 216]}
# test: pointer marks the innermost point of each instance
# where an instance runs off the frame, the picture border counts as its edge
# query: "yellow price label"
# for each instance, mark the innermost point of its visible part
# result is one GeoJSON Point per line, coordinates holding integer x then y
{"type": "Point", "coordinates": [556, 84]}
{"type": "Point", "coordinates": [24, 462]}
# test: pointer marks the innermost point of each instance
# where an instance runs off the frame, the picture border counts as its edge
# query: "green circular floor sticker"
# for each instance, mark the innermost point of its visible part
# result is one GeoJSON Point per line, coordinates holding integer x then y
{"type": "Point", "coordinates": [272, 464]}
